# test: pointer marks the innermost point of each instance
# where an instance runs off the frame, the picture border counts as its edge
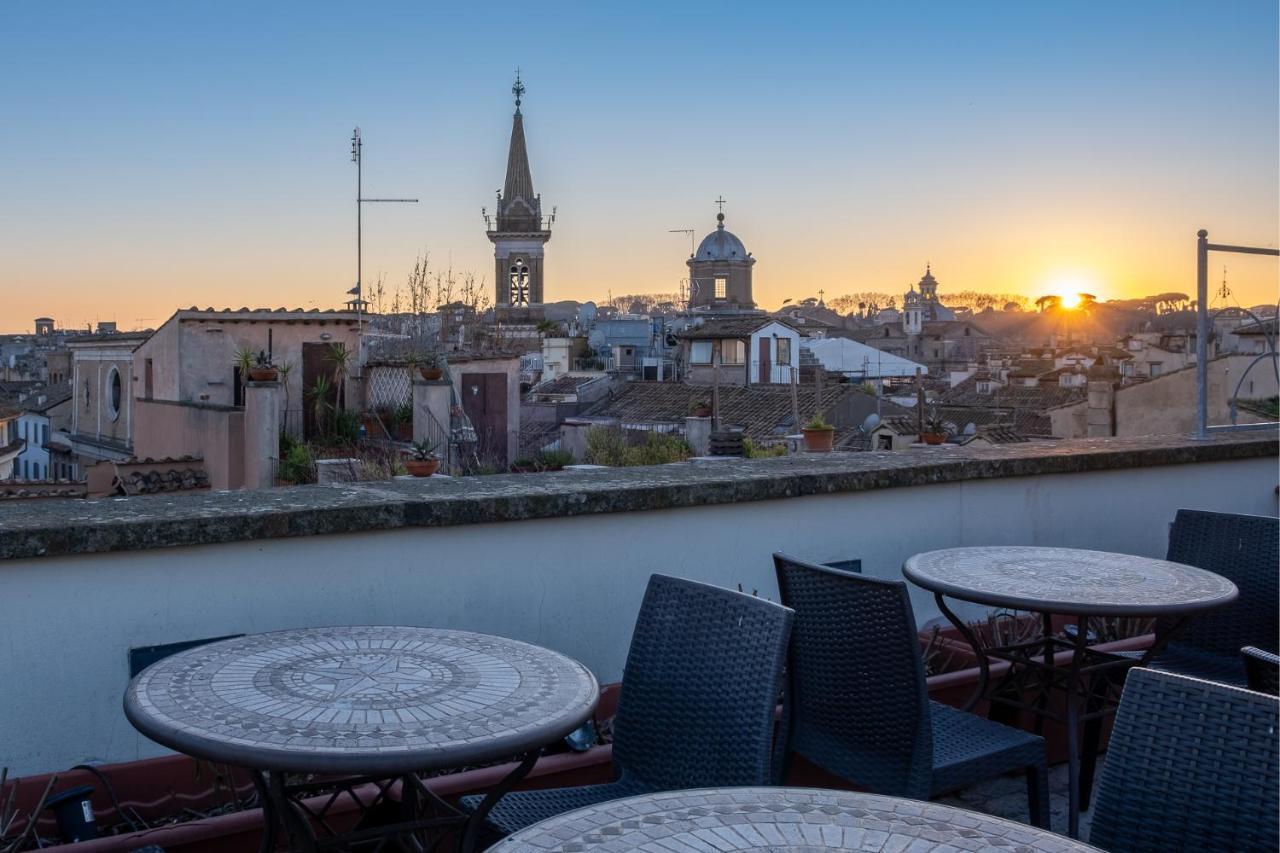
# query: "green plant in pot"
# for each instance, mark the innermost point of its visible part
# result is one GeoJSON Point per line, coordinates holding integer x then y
{"type": "Point", "coordinates": [262, 370]}
{"type": "Point", "coordinates": [430, 366]}
{"type": "Point", "coordinates": [819, 436]}
{"type": "Point", "coordinates": [935, 429]}
{"type": "Point", "coordinates": [700, 409]}
{"type": "Point", "coordinates": [423, 461]}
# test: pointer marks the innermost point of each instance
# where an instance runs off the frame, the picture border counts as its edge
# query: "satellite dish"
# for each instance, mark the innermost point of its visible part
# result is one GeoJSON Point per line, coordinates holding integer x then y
{"type": "Point", "coordinates": [872, 421]}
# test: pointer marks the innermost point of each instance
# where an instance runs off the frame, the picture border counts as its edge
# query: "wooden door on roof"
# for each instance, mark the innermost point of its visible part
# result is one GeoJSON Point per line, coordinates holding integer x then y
{"type": "Point", "coordinates": [484, 399]}
{"type": "Point", "coordinates": [765, 367]}
{"type": "Point", "coordinates": [316, 363]}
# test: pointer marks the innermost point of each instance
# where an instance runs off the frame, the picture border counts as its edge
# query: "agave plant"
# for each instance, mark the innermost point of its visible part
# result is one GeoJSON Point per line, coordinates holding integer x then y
{"type": "Point", "coordinates": [245, 359]}
{"type": "Point", "coordinates": [285, 369]}
{"type": "Point", "coordinates": [318, 394]}
{"type": "Point", "coordinates": [341, 357]}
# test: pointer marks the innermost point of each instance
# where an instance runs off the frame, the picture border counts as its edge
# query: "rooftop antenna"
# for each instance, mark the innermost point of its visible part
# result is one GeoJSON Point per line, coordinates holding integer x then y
{"type": "Point", "coordinates": [688, 231]}
{"type": "Point", "coordinates": [357, 157]}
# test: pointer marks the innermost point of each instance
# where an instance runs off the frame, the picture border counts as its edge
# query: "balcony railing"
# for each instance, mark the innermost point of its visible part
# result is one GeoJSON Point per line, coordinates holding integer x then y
{"type": "Point", "coordinates": [560, 559]}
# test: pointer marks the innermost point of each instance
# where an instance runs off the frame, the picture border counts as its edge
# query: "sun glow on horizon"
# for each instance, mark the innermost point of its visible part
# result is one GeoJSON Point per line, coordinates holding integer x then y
{"type": "Point", "coordinates": [1070, 301]}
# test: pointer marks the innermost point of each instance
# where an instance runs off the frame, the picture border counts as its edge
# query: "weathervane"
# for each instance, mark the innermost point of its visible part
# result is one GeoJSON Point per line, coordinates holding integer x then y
{"type": "Point", "coordinates": [518, 91]}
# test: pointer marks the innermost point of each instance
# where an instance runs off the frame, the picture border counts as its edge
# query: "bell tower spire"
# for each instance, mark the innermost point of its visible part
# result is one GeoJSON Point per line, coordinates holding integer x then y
{"type": "Point", "coordinates": [520, 231]}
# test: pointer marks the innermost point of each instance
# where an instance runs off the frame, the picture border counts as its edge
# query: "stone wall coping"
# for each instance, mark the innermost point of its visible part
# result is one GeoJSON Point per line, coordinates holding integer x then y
{"type": "Point", "coordinates": [74, 526]}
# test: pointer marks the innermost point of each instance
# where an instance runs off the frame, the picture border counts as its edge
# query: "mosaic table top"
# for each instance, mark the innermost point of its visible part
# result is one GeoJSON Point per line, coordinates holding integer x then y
{"type": "Point", "coordinates": [778, 819]}
{"type": "Point", "coordinates": [1069, 580]}
{"type": "Point", "coordinates": [361, 699]}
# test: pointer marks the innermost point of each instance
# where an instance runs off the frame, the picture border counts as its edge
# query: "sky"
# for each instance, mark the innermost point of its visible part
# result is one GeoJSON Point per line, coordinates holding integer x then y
{"type": "Point", "coordinates": [156, 156]}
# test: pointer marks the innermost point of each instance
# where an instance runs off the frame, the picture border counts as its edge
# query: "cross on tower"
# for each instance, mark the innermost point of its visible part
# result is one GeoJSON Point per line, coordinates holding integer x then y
{"type": "Point", "coordinates": [518, 90]}
{"type": "Point", "coordinates": [720, 202]}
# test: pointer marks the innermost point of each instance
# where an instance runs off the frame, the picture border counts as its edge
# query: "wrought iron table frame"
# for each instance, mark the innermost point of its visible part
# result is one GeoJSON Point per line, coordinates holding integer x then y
{"type": "Point", "coordinates": [299, 786]}
{"type": "Point", "coordinates": [1093, 678]}
{"type": "Point", "coordinates": [423, 812]}
{"type": "Point", "coordinates": [1091, 681]}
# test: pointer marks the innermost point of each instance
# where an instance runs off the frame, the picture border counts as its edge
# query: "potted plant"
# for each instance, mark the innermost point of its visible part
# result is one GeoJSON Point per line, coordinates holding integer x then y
{"type": "Point", "coordinates": [700, 409]}
{"type": "Point", "coordinates": [935, 429]}
{"type": "Point", "coordinates": [818, 435]}
{"type": "Point", "coordinates": [262, 370]}
{"type": "Point", "coordinates": [524, 465]}
{"type": "Point", "coordinates": [430, 367]}
{"type": "Point", "coordinates": [423, 461]}
{"type": "Point", "coordinates": [553, 460]}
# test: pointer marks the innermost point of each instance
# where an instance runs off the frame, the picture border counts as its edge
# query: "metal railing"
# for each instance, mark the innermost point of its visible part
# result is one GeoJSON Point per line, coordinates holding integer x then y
{"type": "Point", "coordinates": [1203, 428]}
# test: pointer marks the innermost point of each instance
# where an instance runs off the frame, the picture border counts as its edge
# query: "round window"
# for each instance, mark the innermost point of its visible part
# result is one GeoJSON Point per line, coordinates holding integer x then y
{"type": "Point", "coordinates": [115, 393]}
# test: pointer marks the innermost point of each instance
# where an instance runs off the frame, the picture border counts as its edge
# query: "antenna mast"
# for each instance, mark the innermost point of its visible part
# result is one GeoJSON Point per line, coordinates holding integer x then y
{"type": "Point", "coordinates": [357, 157]}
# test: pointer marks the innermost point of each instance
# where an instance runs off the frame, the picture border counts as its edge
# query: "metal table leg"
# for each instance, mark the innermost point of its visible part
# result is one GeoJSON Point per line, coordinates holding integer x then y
{"type": "Point", "coordinates": [1073, 722]}
{"type": "Point", "coordinates": [475, 823]}
{"type": "Point", "coordinates": [267, 844]}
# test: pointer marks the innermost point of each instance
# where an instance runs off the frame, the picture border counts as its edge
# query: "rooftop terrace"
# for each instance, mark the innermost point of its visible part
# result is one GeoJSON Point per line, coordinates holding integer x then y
{"type": "Point", "coordinates": [557, 559]}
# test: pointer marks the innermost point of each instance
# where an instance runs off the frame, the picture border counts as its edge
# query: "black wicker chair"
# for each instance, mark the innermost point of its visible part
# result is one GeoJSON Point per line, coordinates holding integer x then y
{"type": "Point", "coordinates": [699, 692]}
{"type": "Point", "coordinates": [1262, 669]}
{"type": "Point", "coordinates": [858, 706]}
{"type": "Point", "coordinates": [1245, 550]}
{"type": "Point", "coordinates": [1192, 766]}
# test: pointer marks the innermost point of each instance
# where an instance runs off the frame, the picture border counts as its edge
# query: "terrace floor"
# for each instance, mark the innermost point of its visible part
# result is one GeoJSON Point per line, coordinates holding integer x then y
{"type": "Point", "coordinates": [1007, 797]}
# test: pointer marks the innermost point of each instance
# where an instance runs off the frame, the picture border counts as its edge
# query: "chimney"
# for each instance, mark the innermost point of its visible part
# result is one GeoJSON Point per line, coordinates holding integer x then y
{"type": "Point", "coordinates": [261, 433]}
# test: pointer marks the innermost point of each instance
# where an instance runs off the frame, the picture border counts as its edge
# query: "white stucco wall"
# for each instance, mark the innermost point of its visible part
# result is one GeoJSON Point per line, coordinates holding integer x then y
{"type": "Point", "coordinates": [572, 584]}
{"type": "Point", "coordinates": [777, 372]}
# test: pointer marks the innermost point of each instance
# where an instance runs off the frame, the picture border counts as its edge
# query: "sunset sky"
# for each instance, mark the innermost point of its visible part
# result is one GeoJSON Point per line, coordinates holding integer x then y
{"type": "Point", "coordinates": [158, 156]}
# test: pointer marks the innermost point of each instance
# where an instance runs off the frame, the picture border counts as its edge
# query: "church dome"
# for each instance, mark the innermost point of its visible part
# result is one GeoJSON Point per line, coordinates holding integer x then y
{"type": "Point", "coordinates": [721, 245]}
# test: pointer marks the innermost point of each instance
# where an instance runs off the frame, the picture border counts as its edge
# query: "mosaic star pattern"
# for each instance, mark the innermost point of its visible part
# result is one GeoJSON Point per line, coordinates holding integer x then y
{"type": "Point", "coordinates": [1095, 582]}
{"type": "Point", "coordinates": [381, 698]}
{"type": "Point", "coordinates": [778, 819]}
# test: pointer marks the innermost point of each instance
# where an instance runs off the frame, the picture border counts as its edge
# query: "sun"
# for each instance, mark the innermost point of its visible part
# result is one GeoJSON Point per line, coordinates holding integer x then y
{"type": "Point", "coordinates": [1070, 301]}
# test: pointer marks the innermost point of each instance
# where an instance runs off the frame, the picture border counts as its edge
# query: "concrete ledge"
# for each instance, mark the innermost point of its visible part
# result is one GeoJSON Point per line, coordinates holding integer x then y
{"type": "Point", "coordinates": [48, 528]}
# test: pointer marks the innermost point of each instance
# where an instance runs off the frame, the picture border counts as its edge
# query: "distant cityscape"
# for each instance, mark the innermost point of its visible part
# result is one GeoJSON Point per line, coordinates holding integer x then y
{"type": "Point", "coordinates": [481, 379]}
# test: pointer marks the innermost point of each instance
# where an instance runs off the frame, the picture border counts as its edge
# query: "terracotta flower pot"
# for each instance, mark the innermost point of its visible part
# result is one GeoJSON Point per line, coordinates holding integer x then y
{"type": "Point", "coordinates": [702, 412]}
{"type": "Point", "coordinates": [819, 440]}
{"type": "Point", "coordinates": [263, 374]}
{"type": "Point", "coordinates": [431, 374]}
{"type": "Point", "coordinates": [422, 467]}
{"type": "Point", "coordinates": [933, 437]}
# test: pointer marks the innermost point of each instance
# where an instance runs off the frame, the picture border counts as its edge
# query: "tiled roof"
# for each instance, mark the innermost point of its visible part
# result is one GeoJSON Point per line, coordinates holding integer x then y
{"type": "Point", "coordinates": [54, 397]}
{"type": "Point", "coordinates": [1023, 421]}
{"type": "Point", "coordinates": [946, 327]}
{"type": "Point", "coordinates": [151, 476]}
{"type": "Point", "coordinates": [25, 489]}
{"type": "Point", "coordinates": [996, 435]}
{"type": "Point", "coordinates": [567, 384]}
{"type": "Point", "coordinates": [1011, 396]}
{"type": "Point", "coordinates": [901, 424]}
{"type": "Point", "coordinates": [735, 327]}
{"type": "Point", "coordinates": [764, 411]}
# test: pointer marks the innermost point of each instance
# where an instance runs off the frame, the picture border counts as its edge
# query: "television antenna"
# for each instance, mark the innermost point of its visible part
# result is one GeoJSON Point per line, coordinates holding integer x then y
{"type": "Point", "coordinates": [357, 157]}
{"type": "Point", "coordinates": [688, 231]}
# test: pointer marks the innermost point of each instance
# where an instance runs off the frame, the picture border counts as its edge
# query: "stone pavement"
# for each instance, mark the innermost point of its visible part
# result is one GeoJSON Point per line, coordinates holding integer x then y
{"type": "Point", "coordinates": [1007, 797]}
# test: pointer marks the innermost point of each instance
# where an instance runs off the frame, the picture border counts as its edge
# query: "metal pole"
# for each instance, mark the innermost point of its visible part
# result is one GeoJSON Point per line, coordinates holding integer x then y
{"type": "Point", "coordinates": [1202, 334]}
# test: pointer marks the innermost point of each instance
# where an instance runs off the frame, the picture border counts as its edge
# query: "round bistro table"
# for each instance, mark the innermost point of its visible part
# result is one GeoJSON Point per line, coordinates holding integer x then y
{"type": "Point", "coordinates": [1072, 582]}
{"type": "Point", "coordinates": [362, 704]}
{"type": "Point", "coordinates": [778, 819]}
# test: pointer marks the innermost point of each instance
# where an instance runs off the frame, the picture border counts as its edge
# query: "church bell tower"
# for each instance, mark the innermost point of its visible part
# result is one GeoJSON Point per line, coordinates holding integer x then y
{"type": "Point", "coordinates": [518, 232]}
